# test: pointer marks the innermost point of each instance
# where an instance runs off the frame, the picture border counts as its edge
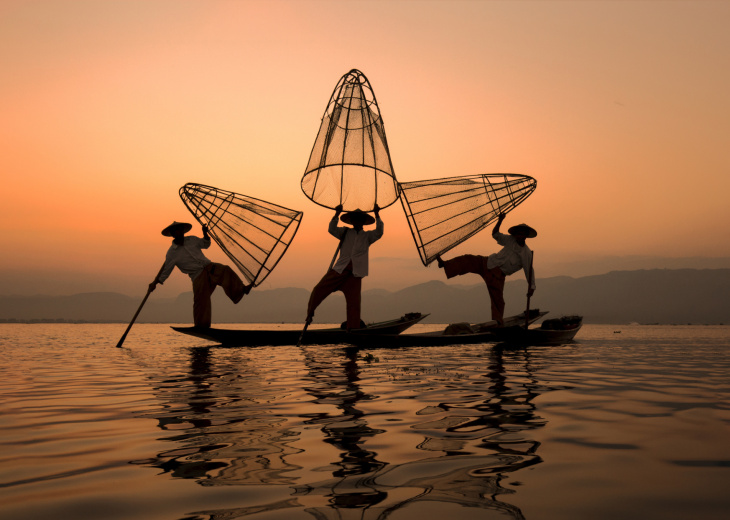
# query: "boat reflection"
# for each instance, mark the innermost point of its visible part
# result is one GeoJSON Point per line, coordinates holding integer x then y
{"type": "Point", "coordinates": [232, 428]}
{"type": "Point", "coordinates": [337, 384]}
{"type": "Point", "coordinates": [218, 415]}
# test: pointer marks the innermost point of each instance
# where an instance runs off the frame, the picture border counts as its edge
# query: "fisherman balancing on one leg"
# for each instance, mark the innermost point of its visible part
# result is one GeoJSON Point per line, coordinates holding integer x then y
{"type": "Point", "coordinates": [515, 255]}
{"type": "Point", "coordinates": [352, 266]}
{"type": "Point", "coordinates": [186, 253]}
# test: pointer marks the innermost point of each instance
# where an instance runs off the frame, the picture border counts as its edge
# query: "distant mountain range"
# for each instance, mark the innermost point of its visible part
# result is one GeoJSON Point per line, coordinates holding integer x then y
{"type": "Point", "coordinates": [665, 296]}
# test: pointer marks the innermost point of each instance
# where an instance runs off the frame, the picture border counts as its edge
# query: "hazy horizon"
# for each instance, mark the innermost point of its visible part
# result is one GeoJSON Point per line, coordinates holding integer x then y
{"type": "Point", "coordinates": [32, 283]}
{"type": "Point", "coordinates": [642, 296]}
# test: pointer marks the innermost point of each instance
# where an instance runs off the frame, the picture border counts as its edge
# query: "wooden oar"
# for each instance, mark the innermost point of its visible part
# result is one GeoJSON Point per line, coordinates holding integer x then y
{"type": "Point", "coordinates": [306, 323]}
{"type": "Point", "coordinates": [301, 336]}
{"type": "Point", "coordinates": [124, 336]}
{"type": "Point", "coordinates": [529, 284]}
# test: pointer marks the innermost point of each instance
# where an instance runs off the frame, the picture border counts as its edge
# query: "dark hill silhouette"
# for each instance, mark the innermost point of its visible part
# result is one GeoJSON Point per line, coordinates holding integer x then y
{"type": "Point", "coordinates": [646, 296]}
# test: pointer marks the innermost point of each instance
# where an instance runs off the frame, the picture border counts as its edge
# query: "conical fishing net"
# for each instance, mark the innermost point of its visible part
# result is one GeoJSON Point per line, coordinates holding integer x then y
{"type": "Point", "coordinates": [350, 161]}
{"type": "Point", "coordinates": [253, 233]}
{"type": "Point", "coordinates": [443, 213]}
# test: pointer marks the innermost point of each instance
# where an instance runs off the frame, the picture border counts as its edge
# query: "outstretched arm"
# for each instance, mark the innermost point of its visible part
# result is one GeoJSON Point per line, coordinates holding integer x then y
{"type": "Point", "coordinates": [204, 243]}
{"type": "Point", "coordinates": [334, 230]}
{"type": "Point", "coordinates": [163, 274]}
{"type": "Point", "coordinates": [529, 274]}
{"type": "Point", "coordinates": [379, 226]}
{"type": "Point", "coordinates": [499, 223]}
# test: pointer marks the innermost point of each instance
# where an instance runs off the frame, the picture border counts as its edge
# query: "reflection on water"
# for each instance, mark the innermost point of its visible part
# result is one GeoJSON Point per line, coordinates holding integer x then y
{"type": "Point", "coordinates": [217, 418]}
{"type": "Point", "coordinates": [374, 436]}
{"type": "Point", "coordinates": [640, 412]}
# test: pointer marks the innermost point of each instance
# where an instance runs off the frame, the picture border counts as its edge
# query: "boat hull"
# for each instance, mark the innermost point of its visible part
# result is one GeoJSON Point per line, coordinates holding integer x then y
{"type": "Point", "coordinates": [276, 338]}
{"type": "Point", "coordinates": [552, 332]}
{"type": "Point", "coordinates": [455, 334]}
{"type": "Point", "coordinates": [388, 334]}
{"type": "Point", "coordinates": [423, 339]}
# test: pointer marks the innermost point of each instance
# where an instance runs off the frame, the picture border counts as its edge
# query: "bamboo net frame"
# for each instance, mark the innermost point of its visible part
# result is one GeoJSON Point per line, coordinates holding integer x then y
{"type": "Point", "coordinates": [253, 233]}
{"type": "Point", "coordinates": [443, 213]}
{"type": "Point", "coordinates": [350, 162]}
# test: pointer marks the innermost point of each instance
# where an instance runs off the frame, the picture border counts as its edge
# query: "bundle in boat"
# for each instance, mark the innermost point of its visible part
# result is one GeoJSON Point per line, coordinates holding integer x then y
{"type": "Point", "coordinates": [350, 162]}
{"type": "Point", "coordinates": [253, 233]}
{"type": "Point", "coordinates": [443, 213]}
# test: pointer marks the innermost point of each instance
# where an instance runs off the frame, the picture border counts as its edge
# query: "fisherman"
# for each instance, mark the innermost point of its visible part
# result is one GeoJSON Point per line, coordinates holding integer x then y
{"type": "Point", "coordinates": [186, 253]}
{"type": "Point", "coordinates": [496, 267]}
{"type": "Point", "coordinates": [352, 266]}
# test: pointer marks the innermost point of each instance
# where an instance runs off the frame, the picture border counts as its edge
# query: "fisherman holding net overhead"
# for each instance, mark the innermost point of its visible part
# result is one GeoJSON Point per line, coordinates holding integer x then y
{"type": "Point", "coordinates": [186, 253]}
{"type": "Point", "coordinates": [352, 266]}
{"type": "Point", "coordinates": [513, 256]}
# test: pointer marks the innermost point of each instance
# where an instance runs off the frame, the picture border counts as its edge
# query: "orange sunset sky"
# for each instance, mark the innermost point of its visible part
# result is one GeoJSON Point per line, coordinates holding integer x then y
{"type": "Point", "coordinates": [619, 109]}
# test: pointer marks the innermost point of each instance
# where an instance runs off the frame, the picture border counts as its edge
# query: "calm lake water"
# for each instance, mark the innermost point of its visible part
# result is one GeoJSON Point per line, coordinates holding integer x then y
{"type": "Point", "coordinates": [629, 422]}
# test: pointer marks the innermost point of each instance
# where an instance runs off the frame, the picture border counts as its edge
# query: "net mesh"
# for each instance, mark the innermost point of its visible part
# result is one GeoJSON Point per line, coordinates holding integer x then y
{"type": "Point", "coordinates": [350, 161]}
{"type": "Point", "coordinates": [443, 213]}
{"type": "Point", "coordinates": [253, 233]}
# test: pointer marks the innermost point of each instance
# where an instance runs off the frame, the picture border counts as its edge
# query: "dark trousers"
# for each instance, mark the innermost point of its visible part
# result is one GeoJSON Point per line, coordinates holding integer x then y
{"type": "Point", "coordinates": [494, 278]}
{"type": "Point", "coordinates": [351, 287]}
{"type": "Point", "coordinates": [205, 283]}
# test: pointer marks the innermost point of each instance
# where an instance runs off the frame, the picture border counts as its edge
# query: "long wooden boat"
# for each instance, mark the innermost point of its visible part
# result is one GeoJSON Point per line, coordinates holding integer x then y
{"type": "Point", "coordinates": [388, 334]}
{"type": "Point", "coordinates": [260, 338]}
{"type": "Point", "coordinates": [551, 332]}
{"type": "Point", "coordinates": [454, 334]}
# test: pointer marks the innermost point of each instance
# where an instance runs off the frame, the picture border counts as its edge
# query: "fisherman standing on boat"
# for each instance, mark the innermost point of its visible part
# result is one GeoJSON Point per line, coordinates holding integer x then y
{"type": "Point", "coordinates": [515, 255]}
{"type": "Point", "coordinates": [352, 266]}
{"type": "Point", "coordinates": [186, 253]}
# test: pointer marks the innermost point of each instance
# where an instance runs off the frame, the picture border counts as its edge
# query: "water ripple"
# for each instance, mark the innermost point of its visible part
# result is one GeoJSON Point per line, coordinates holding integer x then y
{"type": "Point", "coordinates": [186, 430]}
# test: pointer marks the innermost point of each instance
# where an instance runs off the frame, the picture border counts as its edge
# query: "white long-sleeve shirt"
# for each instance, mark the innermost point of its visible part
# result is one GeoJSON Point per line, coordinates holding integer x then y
{"type": "Point", "coordinates": [188, 257]}
{"type": "Point", "coordinates": [512, 257]}
{"type": "Point", "coordinates": [355, 246]}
